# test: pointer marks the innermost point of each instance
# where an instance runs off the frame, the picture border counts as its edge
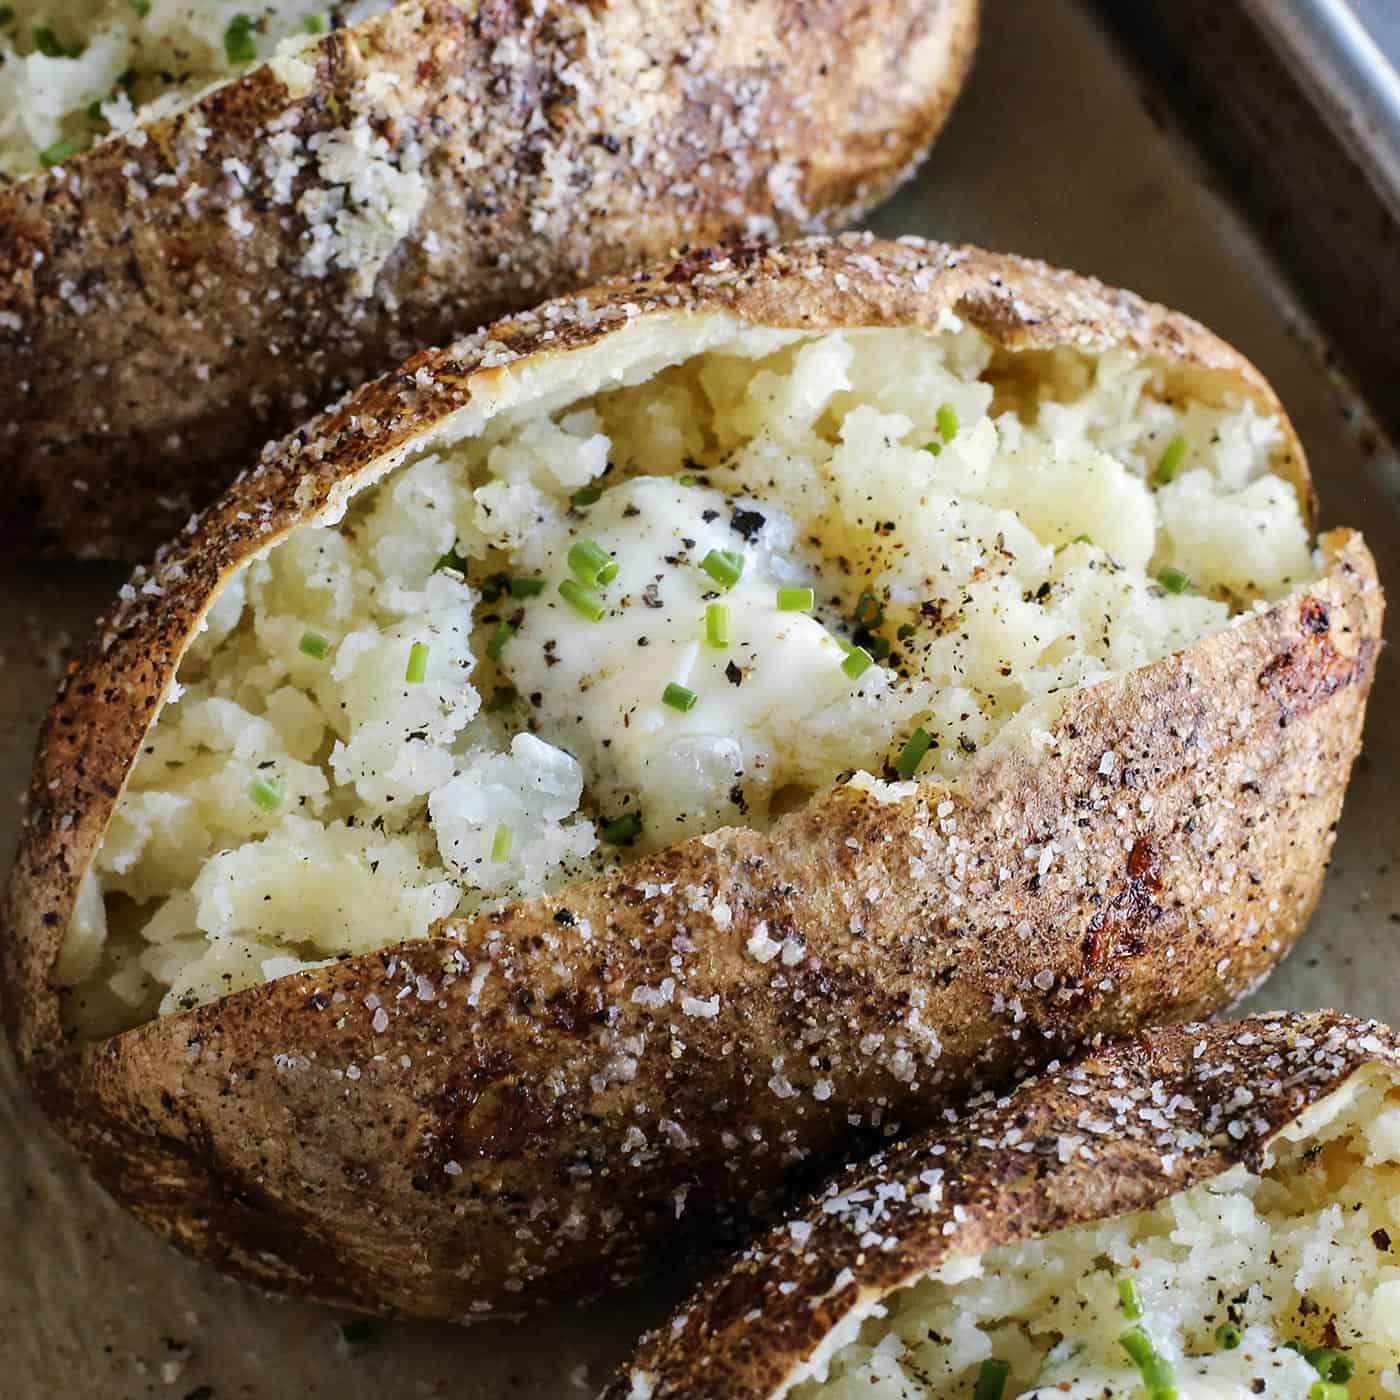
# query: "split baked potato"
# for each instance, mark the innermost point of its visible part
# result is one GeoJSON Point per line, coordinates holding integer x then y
{"type": "Point", "coordinates": [571, 792]}
{"type": "Point", "coordinates": [1206, 1210]}
{"type": "Point", "coordinates": [282, 202]}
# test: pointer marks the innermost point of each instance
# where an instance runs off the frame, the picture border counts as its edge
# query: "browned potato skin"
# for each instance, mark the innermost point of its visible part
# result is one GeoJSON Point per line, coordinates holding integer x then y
{"type": "Point", "coordinates": [234, 1130]}
{"type": "Point", "coordinates": [148, 351]}
{"type": "Point", "coordinates": [742, 1336]}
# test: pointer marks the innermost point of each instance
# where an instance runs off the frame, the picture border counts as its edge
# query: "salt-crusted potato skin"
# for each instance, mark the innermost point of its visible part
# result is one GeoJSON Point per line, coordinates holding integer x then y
{"type": "Point", "coordinates": [745, 1333]}
{"type": "Point", "coordinates": [494, 1116]}
{"type": "Point", "coordinates": [155, 329]}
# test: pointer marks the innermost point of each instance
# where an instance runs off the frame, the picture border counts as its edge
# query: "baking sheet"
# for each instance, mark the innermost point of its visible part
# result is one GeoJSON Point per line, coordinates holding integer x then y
{"type": "Point", "coordinates": [1054, 152]}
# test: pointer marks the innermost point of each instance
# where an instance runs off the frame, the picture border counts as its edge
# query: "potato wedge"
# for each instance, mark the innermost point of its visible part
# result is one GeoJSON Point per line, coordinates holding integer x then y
{"type": "Point", "coordinates": [560, 1089]}
{"type": "Point", "coordinates": [173, 297]}
{"type": "Point", "coordinates": [1186, 1184]}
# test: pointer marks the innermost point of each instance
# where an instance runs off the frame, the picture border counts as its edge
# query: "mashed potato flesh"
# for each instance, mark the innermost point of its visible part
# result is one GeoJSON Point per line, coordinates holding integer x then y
{"type": "Point", "coordinates": [73, 71]}
{"type": "Point", "coordinates": [1300, 1254]}
{"type": "Point", "coordinates": [399, 715]}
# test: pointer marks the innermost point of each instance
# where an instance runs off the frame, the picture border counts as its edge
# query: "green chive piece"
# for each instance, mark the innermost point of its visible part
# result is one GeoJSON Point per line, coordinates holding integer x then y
{"type": "Point", "coordinates": [947, 420]}
{"type": "Point", "coordinates": [717, 624]}
{"type": "Point", "coordinates": [858, 661]}
{"type": "Point", "coordinates": [796, 600]}
{"type": "Point", "coordinates": [1170, 462]}
{"type": "Point", "coordinates": [592, 565]}
{"type": "Point", "coordinates": [933, 447]}
{"type": "Point", "coordinates": [679, 697]}
{"type": "Point", "coordinates": [267, 793]}
{"type": "Point", "coordinates": [239, 44]}
{"type": "Point", "coordinates": [1327, 1390]}
{"type": "Point", "coordinates": [1228, 1335]}
{"type": "Point", "coordinates": [142, 7]}
{"type": "Point", "coordinates": [870, 613]}
{"type": "Point", "coordinates": [1129, 1299]}
{"type": "Point", "coordinates": [47, 42]}
{"type": "Point", "coordinates": [584, 496]}
{"type": "Point", "coordinates": [499, 638]}
{"type": "Point", "coordinates": [1158, 1375]}
{"type": "Point", "coordinates": [416, 672]}
{"type": "Point", "coordinates": [686, 479]}
{"type": "Point", "coordinates": [912, 754]}
{"type": "Point", "coordinates": [991, 1380]}
{"type": "Point", "coordinates": [905, 631]}
{"type": "Point", "coordinates": [1078, 539]}
{"type": "Point", "coordinates": [526, 587]}
{"type": "Point", "coordinates": [1174, 581]}
{"type": "Point", "coordinates": [58, 153]}
{"type": "Point", "coordinates": [622, 831]}
{"type": "Point", "coordinates": [452, 560]}
{"type": "Point", "coordinates": [493, 586]}
{"type": "Point", "coordinates": [500, 844]}
{"type": "Point", "coordinates": [1330, 1364]}
{"type": "Point", "coordinates": [725, 566]}
{"type": "Point", "coordinates": [582, 600]}
{"type": "Point", "coordinates": [314, 645]}
{"type": "Point", "coordinates": [315, 24]}
{"type": "Point", "coordinates": [502, 698]}
{"type": "Point", "coordinates": [878, 647]}
{"type": "Point", "coordinates": [7, 13]}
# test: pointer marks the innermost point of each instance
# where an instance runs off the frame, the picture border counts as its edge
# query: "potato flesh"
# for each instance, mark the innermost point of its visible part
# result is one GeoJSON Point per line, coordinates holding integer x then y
{"type": "Point", "coordinates": [118, 67]}
{"type": "Point", "coordinates": [1301, 1253]}
{"type": "Point", "coordinates": [391, 795]}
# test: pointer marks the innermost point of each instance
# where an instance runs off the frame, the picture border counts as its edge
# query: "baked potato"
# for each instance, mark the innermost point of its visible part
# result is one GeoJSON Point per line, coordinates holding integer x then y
{"type": "Point", "coordinates": [561, 797]}
{"type": "Point", "coordinates": [1205, 1211]}
{"type": "Point", "coordinates": [230, 257]}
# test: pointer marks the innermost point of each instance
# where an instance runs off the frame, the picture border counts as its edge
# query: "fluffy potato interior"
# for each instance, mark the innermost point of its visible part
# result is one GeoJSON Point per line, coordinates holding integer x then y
{"type": "Point", "coordinates": [606, 623]}
{"type": "Point", "coordinates": [73, 71]}
{"type": "Point", "coordinates": [1227, 1275]}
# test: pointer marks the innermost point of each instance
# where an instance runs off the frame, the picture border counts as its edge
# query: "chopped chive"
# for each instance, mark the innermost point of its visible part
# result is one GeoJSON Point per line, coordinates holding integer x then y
{"type": "Point", "coordinates": [1330, 1364]}
{"type": "Point", "coordinates": [500, 844]}
{"type": "Point", "coordinates": [1173, 580]}
{"type": "Point", "coordinates": [725, 566]}
{"type": "Point", "coordinates": [267, 793]}
{"type": "Point", "coordinates": [94, 112]}
{"type": "Point", "coordinates": [1228, 1335]}
{"type": "Point", "coordinates": [313, 644]}
{"type": "Point", "coordinates": [679, 697]}
{"type": "Point", "coordinates": [857, 662]}
{"type": "Point", "coordinates": [622, 831]}
{"type": "Point", "coordinates": [905, 631]}
{"type": "Point", "coordinates": [502, 698]}
{"type": "Point", "coordinates": [1158, 1376]}
{"type": "Point", "coordinates": [58, 153]}
{"type": "Point", "coordinates": [142, 7]}
{"type": "Point", "coordinates": [7, 13]}
{"type": "Point", "coordinates": [686, 479]}
{"type": "Point", "coordinates": [717, 624]}
{"type": "Point", "coordinates": [912, 754]}
{"type": "Point", "coordinates": [493, 586]}
{"type": "Point", "coordinates": [877, 646]}
{"type": "Point", "coordinates": [582, 600]}
{"type": "Point", "coordinates": [1078, 539]}
{"type": "Point", "coordinates": [584, 496]}
{"type": "Point", "coordinates": [933, 447]}
{"type": "Point", "coordinates": [315, 24]}
{"type": "Point", "coordinates": [51, 46]}
{"type": "Point", "coordinates": [796, 600]}
{"type": "Point", "coordinates": [991, 1379]}
{"type": "Point", "coordinates": [1327, 1390]}
{"type": "Point", "coordinates": [526, 587]}
{"type": "Point", "coordinates": [417, 669]}
{"type": "Point", "coordinates": [239, 43]}
{"type": "Point", "coordinates": [499, 638]}
{"type": "Point", "coordinates": [870, 613]}
{"type": "Point", "coordinates": [592, 565]}
{"type": "Point", "coordinates": [452, 560]}
{"type": "Point", "coordinates": [1129, 1299]}
{"type": "Point", "coordinates": [1170, 461]}
{"type": "Point", "coordinates": [947, 420]}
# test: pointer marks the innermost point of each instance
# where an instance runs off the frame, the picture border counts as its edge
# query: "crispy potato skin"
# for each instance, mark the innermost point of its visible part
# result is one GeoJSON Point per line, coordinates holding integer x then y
{"type": "Point", "coordinates": [157, 325]}
{"type": "Point", "coordinates": [527, 1125]}
{"type": "Point", "coordinates": [743, 1335]}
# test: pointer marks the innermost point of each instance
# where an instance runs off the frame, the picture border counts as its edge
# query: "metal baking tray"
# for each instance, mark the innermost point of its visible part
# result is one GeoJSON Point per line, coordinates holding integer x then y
{"type": "Point", "coordinates": [1163, 147]}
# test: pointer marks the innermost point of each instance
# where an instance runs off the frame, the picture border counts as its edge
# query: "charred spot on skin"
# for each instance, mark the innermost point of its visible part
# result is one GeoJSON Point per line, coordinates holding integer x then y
{"type": "Point", "coordinates": [1118, 928]}
{"type": "Point", "coordinates": [1301, 677]}
{"type": "Point", "coordinates": [574, 1010]}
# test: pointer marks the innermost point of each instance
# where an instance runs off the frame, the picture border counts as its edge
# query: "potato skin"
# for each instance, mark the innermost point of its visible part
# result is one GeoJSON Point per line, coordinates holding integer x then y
{"type": "Point", "coordinates": [155, 328]}
{"type": "Point", "coordinates": [743, 1334]}
{"type": "Point", "coordinates": [521, 1124]}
